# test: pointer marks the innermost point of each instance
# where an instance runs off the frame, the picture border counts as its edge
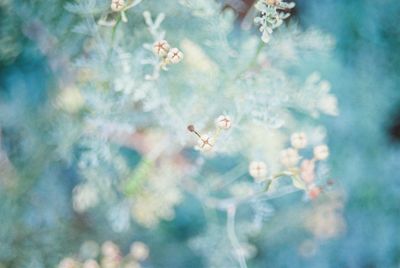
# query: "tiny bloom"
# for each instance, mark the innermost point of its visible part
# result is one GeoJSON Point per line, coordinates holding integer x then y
{"type": "Point", "coordinates": [174, 55]}
{"type": "Point", "coordinates": [91, 264]}
{"type": "Point", "coordinates": [314, 191]}
{"type": "Point", "coordinates": [223, 122]}
{"type": "Point", "coordinates": [68, 263]}
{"type": "Point", "coordinates": [307, 172]}
{"type": "Point", "coordinates": [109, 249]}
{"type": "Point", "coordinates": [206, 143]}
{"type": "Point", "coordinates": [161, 48]}
{"type": "Point", "coordinates": [139, 251]}
{"type": "Point", "coordinates": [117, 5]}
{"type": "Point", "coordinates": [272, 2]}
{"type": "Point", "coordinates": [258, 170]}
{"type": "Point", "coordinates": [321, 152]}
{"type": "Point", "coordinates": [298, 140]}
{"type": "Point", "coordinates": [289, 157]}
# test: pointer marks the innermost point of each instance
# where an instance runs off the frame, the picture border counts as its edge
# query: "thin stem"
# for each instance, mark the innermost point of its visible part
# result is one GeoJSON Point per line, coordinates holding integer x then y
{"type": "Point", "coordinates": [114, 30]}
{"type": "Point", "coordinates": [230, 226]}
{"type": "Point", "coordinates": [253, 61]}
{"type": "Point", "coordinates": [276, 176]}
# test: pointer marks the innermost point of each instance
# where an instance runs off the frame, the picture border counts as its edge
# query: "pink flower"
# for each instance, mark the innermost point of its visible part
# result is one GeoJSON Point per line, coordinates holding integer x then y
{"type": "Point", "coordinates": [307, 171]}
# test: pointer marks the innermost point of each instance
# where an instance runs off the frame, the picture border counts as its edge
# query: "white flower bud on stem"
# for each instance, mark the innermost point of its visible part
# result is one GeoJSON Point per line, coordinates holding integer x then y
{"type": "Point", "coordinates": [174, 56]}
{"type": "Point", "coordinates": [161, 48]}
{"type": "Point", "coordinates": [117, 5]}
{"type": "Point", "coordinates": [258, 170]}
{"type": "Point", "coordinates": [298, 140]}
{"type": "Point", "coordinates": [321, 152]}
{"type": "Point", "coordinates": [223, 122]}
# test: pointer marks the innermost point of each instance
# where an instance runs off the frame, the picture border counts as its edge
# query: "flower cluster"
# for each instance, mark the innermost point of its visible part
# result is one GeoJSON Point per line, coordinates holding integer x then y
{"type": "Point", "coordinates": [117, 12]}
{"type": "Point", "coordinates": [303, 175]}
{"type": "Point", "coordinates": [271, 16]}
{"type": "Point", "coordinates": [121, 6]}
{"type": "Point", "coordinates": [109, 257]}
{"type": "Point", "coordinates": [206, 142]}
{"type": "Point", "coordinates": [166, 54]}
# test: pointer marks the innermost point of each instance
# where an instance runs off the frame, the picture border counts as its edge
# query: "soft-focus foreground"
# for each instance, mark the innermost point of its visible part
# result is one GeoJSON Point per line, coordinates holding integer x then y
{"type": "Point", "coordinates": [199, 133]}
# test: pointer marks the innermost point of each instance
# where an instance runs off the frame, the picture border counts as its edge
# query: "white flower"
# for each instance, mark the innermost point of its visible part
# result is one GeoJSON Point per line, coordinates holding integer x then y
{"type": "Point", "coordinates": [161, 48]}
{"type": "Point", "coordinates": [223, 122]}
{"type": "Point", "coordinates": [139, 251]}
{"type": "Point", "coordinates": [117, 5]}
{"type": "Point", "coordinates": [109, 249]}
{"type": "Point", "coordinates": [258, 170]}
{"type": "Point", "coordinates": [289, 157]}
{"type": "Point", "coordinates": [206, 143]}
{"type": "Point", "coordinates": [321, 152]}
{"type": "Point", "coordinates": [91, 264]}
{"type": "Point", "coordinates": [174, 55]}
{"type": "Point", "coordinates": [68, 263]}
{"type": "Point", "coordinates": [298, 140]}
{"type": "Point", "coordinates": [272, 2]}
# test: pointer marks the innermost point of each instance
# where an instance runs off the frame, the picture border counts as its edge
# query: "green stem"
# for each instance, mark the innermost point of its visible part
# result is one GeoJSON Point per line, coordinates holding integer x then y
{"type": "Point", "coordinates": [253, 61]}
{"type": "Point", "coordinates": [114, 33]}
{"type": "Point", "coordinates": [276, 176]}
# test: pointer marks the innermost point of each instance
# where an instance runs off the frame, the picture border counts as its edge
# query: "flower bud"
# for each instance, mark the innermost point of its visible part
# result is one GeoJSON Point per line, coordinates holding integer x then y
{"type": "Point", "coordinates": [223, 122]}
{"type": "Point", "coordinates": [161, 48]}
{"type": "Point", "coordinates": [321, 152]}
{"type": "Point", "coordinates": [139, 251]}
{"type": "Point", "coordinates": [206, 143]}
{"type": "Point", "coordinates": [117, 5]}
{"type": "Point", "coordinates": [258, 170]}
{"type": "Point", "coordinates": [174, 56]}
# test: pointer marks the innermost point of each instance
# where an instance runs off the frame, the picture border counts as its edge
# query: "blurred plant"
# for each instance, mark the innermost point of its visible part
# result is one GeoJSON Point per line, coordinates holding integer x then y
{"type": "Point", "coordinates": [121, 116]}
{"type": "Point", "coordinates": [110, 256]}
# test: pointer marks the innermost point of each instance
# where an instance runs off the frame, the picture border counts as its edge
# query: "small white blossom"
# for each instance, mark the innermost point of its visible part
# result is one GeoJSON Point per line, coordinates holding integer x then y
{"type": "Point", "coordinates": [109, 249]}
{"type": "Point", "coordinates": [161, 48]}
{"type": "Point", "coordinates": [68, 263]}
{"type": "Point", "coordinates": [139, 251]}
{"type": "Point", "coordinates": [174, 56]}
{"type": "Point", "coordinates": [258, 170]}
{"type": "Point", "coordinates": [223, 122]}
{"type": "Point", "coordinates": [117, 5]}
{"type": "Point", "coordinates": [289, 157]}
{"type": "Point", "coordinates": [272, 2]}
{"type": "Point", "coordinates": [206, 143]}
{"type": "Point", "coordinates": [91, 264]}
{"type": "Point", "coordinates": [321, 152]}
{"type": "Point", "coordinates": [298, 140]}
